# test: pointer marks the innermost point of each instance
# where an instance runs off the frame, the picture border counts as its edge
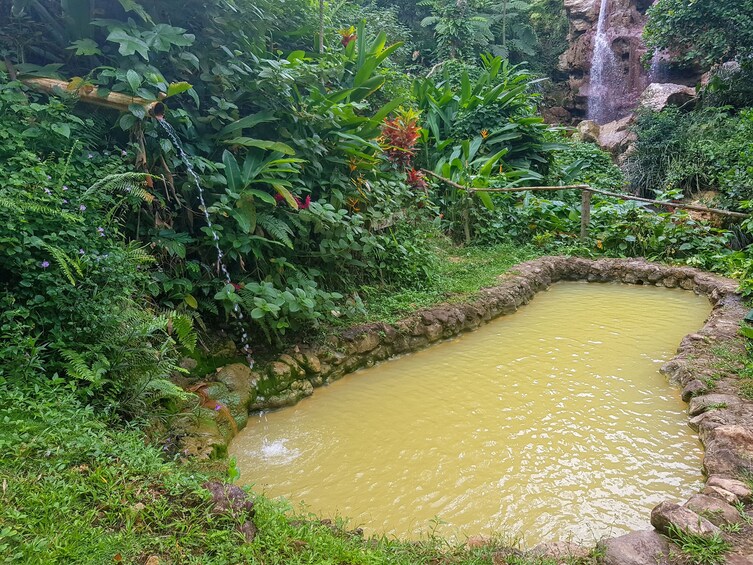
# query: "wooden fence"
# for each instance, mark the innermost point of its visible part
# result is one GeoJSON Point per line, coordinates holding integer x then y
{"type": "Point", "coordinates": [585, 201]}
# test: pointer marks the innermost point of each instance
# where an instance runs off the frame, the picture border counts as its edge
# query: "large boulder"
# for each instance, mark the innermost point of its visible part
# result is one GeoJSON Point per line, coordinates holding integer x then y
{"type": "Point", "coordinates": [668, 514]}
{"type": "Point", "coordinates": [637, 548]}
{"type": "Point", "coordinates": [616, 137]}
{"type": "Point", "coordinates": [658, 96]}
{"type": "Point", "coordinates": [588, 130]}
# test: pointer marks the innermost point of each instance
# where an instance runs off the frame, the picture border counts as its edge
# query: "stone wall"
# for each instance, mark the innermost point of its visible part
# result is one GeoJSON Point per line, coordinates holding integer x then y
{"type": "Point", "coordinates": [722, 417]}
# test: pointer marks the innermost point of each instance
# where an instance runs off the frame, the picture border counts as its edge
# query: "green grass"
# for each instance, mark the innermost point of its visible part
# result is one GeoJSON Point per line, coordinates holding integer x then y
{"type": "Point", "coordinates": [79, 487]}
{"type": "Point", "coordinates": [461, 273]}
{"type": "Point", "coordinates": [700, 550]}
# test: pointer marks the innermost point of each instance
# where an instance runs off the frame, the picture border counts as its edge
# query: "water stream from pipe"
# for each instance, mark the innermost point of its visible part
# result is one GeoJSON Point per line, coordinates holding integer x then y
{"type": "Point", "coordinates": [237, 312]}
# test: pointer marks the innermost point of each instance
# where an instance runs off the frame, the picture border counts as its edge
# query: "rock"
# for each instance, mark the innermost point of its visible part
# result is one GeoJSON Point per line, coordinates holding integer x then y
{"type": "Point", "coordinates": [588, 130]}
{"type": "Point", "coordinates": [615, 137]}
{"type": "Point", "coordinates": [240, 379]}
{"type": "Point", "coordinates": [188, 363]}
{"type": "Point", "coordinates": [637, 548]}
{"type": "Point", "coordinates": [738, 488]}
{"type": "Point", "coordinates": [477, 541]}
{"type": "Point", "coordinates": [668, 513]}
{"type": "Point", "coordinates": [233, 500]}
{"type": "Point", "coordinates": [714, 510]}
{"type": "Point", "coordinates": [720, 494]}
{"type": "Point", "coordinates": [152, 560]}
{"type": "Point", "coordinates": [707, 402]}
{"type": "Point", "coordinates": [229, 499]}
{"type": "Point", "coordinates": [729, 450]}
{"type": "Point", "coordinates": [658, 96]}
{"type": "Point", "coordinates": [692, 389]}
{"type": "Point", "coordinates": [281, 372]}
{"type": "Point", "coordinates": [560, 551]}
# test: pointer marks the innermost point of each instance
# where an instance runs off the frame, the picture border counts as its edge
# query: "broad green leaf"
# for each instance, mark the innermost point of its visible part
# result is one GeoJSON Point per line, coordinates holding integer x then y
{"type": "Point", "coordinates": [246, 122]}
{"type": "Point", "coordinates": [62, 129]}
{"type": "Point", "coordinates": [262, 144]}
{"type": "Point", "coordinates": [487, 168]}
{"type": "Point", "coordinates": [486, 200]}
{"type": "Point", "coordinates": [85, 47]}
{"type": "Point", "coordinates": [128, 43]}
{"type": "Point", "coordinates": [191, 301]}
{"type": "Point", "coordinates": [175, 88]}
{"type": "Point", "coordinates": [133, 78]}
{"type": "Point", "coordinates": [285, 193]}
{"type": "Point", "coordinates": [232, 172]}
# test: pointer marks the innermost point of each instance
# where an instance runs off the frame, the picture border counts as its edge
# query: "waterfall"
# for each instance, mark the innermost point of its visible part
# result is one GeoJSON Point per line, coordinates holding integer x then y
{"type": "Point", "coordinates": [172, 134]}
{"type": "Point", "coordinates": [656, 72]}
{"type": "Point", "coordinates": [604, 72]}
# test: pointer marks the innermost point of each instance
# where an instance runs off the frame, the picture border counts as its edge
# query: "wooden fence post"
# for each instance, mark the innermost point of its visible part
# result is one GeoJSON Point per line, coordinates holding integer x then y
{"type": "Point", "coordinates": [585, 214]}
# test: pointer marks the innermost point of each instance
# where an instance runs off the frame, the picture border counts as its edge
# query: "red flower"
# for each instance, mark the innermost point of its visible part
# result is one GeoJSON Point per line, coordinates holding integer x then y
{"type": "Point", "coordinates": [417, 180]}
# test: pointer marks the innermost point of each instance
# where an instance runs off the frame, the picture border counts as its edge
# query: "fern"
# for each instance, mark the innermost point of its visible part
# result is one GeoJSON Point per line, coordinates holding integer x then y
{"type": "Point", "coordinates": [24, 208]}
{"type": "Point", "coordinates": [66, 264]}
{"type": "Point", "coordinates": [130, 183]}
{"type": "Point", "coordinates": [182, 326]}
{"type": "Point", "coordinates": [78, 367]}
{"type": "Point", "coordinates": [138, 254]}
{"type": "Point", "coordinates": [276, 228]}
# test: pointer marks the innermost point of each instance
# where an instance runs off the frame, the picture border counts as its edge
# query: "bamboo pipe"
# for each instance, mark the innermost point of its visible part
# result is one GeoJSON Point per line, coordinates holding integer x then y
{"type": "Point", "coordinates": [90, 95]}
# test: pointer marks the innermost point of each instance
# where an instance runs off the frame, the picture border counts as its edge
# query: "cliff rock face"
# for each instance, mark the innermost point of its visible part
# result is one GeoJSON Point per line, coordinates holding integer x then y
{"type": "Point", "coordinates": [625, 22]}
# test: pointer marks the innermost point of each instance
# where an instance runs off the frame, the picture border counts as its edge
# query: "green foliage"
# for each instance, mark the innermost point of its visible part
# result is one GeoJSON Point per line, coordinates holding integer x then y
{"type": "Point", "coordinates": [702, 150]}
{"type": "Point", "coordinates": [706, 30]}
{"type": "Point", "coordinates": [698, 549]}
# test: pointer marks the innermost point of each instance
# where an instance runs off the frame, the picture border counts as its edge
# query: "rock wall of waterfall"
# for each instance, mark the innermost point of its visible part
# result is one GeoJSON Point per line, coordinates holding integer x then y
{"type": "Point", "coordinates": [627, 78]}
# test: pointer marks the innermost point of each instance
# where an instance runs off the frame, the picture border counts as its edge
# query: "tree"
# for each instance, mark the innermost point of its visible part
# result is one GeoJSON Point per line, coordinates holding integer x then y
{"type": "Point", "coordinates": [707, 31]}
{"type": "Point", "coordinates": [462, 28]}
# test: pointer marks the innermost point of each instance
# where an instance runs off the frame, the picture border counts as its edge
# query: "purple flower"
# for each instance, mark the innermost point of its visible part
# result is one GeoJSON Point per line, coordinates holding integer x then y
{"type": "Point", "coordinates": [81, 252]}
{"type": "Point", "coordinates": [49, 177]}
{"type": "Point", "coordinates": [48, 191]}
{"type": "Point", "coordinates": [218, 407]}
{"type": "Point", "coordinates": [101, 231]}
{"type": "Point", "coordinates": [123, 153]}
{"type": "Point", "coordinates": [82, 208]}
{"type": "Point", "coordinates": [65, 187]}
{"type": "Point", "coordinates": [65, 201]}
{"type": "Point", "coordinates": [44, 264]}
{"type": "Point", "coordinates": [90, 155]}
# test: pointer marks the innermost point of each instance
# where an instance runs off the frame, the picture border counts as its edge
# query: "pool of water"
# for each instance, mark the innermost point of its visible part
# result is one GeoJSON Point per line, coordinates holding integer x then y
{"type": "Point", "coordinates": [553, 423]}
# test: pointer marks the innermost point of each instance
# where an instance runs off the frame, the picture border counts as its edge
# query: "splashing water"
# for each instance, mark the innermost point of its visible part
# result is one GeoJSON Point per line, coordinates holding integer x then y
{"type": "Point", "coordinates": [172, 134]}
{"type": "Point", "coordinates": [656, 72]}
{"type": "Point", "coordinates": [603, 72]}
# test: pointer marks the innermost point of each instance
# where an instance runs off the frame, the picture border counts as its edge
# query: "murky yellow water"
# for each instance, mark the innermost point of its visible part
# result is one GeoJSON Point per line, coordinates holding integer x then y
{"type": "Point", "coordinates": [552, 423]}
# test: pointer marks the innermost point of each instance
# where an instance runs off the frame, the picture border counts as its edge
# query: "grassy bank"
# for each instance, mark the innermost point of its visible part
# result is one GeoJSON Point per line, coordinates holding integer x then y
{"type": "Point", "coordinates": [82, 486]}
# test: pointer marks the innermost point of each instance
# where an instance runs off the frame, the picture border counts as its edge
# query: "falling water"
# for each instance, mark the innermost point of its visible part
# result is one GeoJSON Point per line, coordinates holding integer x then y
{"type": "Point", "coordinates": [216, 238]}
{"type": "Point", "coordinates": [603, 72]}
{"type": "Point", "coordinates": [656, 72]}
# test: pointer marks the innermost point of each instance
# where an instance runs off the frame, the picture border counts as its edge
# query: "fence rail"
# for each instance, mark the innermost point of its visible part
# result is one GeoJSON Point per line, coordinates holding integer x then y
{"type": "Point", "coordinates": [586, 192]}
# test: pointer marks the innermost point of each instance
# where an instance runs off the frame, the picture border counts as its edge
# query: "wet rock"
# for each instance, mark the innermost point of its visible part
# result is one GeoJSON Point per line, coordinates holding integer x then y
{"type": "Point", "coordinates": [707, 402]}
{"type": "Point", "coordinates": [669, 514]}
{"type": "Point", "coordinates": [658, 96]}
{"type": "Point", "coordinates": [281, 373]}
{"type": "Point", "coordinates": [364, 342]}
{"type": "Point", "coordinates": [239, 379]}
{"type": "Point", "coordinates": [692, 389]}
{"type": "Point", "coordinates": [309, 361]}
{"type": "Point", "coordinates": [296, 371]}
{"type": "Point", "coordinates": [297, 391]}
{"type": "Point", "coordinates": [714, 510]}
{"type": "Point", "coordinates": [637, 548]}
{"type": "Point", "coordinates": [738, 488]}
{"type": "Point", "coordinates": [615, 137]}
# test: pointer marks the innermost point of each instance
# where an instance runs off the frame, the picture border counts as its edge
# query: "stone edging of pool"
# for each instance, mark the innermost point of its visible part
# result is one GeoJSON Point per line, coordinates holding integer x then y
{"type": "Point", "coordinates": [704, 368]}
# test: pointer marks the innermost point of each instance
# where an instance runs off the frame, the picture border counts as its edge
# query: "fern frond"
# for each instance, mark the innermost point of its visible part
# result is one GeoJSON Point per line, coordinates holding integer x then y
{"type": "Point", "coordinates": [78, 367]}
{"type": "Point", "coordinates": [66, 264]}
{"type": "Point", "coordinates": [183, 328]}
{"type": "Point", "coordinates": [162, 389]}
{"type": "Point", "coordinates": [24, 208]}
{"type": "Point", "coordinates": [276, 228]}
{"type": "Point", "coordinates": [139, 254]}
{"type": "Point", "coordinates": [130, 183]}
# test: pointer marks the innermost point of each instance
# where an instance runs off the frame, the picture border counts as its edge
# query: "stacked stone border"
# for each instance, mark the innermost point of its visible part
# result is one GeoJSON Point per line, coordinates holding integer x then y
{"type": "Point", "coordinates": [723, 419]}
